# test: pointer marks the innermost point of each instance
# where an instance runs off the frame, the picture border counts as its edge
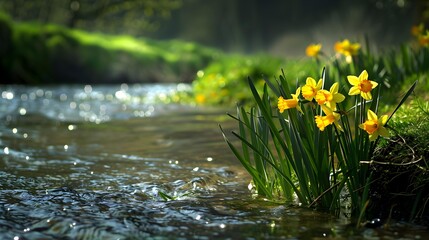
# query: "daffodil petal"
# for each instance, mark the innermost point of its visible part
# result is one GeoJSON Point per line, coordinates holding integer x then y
{"type": "Point", "coordinates": [310, 81]}
{"type": "Point", "coordinates": [372, 115]}
{"type": "Point", "coordinates": [383, 119]}
{"type": "Point", "coordinates": [353, 80]}
{"type": "Point", "coordinates": [383, 131]}
{"type": "Point", "coordinates": [339, 97]}
{"type": "Point", "coordinates": [362, 126]}
{"type": "Point", "coordinates": [319, 84]}
{"type": "Point", "coordinates": [354, 90]}
{"type": "Point", "coordinates": [366, 96]}
{"type": "Point", "coordinates": [374, 84]}
{"type": "Point", "coordinates": [373, 137]}
{"type": "Point", "coordinates": [334, 88]}
{"type": "Point", "coordinates": [363, 75]}
{"type": "Point", "coordinates": [327, 110]}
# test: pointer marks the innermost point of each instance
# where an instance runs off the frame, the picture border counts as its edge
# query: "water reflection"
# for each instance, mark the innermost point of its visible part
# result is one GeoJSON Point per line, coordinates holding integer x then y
{"type": "Point", "coordinates": [63, 175]}
{"type": "Point", "coordinates": [88, 103]}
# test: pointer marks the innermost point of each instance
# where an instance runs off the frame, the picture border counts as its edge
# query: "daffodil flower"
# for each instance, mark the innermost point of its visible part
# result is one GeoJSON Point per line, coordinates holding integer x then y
{"type": "Point", "coordinates": [200, 98]}
{"type": "Point", "coordinates": [331, 117]}
{"type": "Point", "coordinates": [309, 90]}
{"type": "Point", "coordinates": [361, 85]}
{"type": "Point", "coordinates": [347, 48]}
{"type": "Point", "coordinates": [331, 97]}
{"type": "Point", "coordinates": [417, 30]}
{"type": "Point", "coordinates": [424, 39]}
{"type": "Point", "coordinates": [313, 50]}
{"type": "Point", "coordinates": [284, 104]}
{"type": "Point", "coordinates": [374, 126]}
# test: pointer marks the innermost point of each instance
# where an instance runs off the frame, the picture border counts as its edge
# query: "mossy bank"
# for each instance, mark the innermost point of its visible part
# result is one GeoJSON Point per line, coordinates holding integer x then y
{"type": "Point", "coordinates": [32, 53]}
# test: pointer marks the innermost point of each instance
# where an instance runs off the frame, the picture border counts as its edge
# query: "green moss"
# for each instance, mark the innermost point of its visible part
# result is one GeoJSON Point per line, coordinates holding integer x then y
{"type": "Point", "coordinates": [225, 81]}
{"type": "Point", "coordinates": [54, 54]}
{"type": "Point", "coordinates": [412, 120]}
{"type": "Point", "coordinates": [401, 166]}
{"type": "Point", "coordinates": [6, 44]}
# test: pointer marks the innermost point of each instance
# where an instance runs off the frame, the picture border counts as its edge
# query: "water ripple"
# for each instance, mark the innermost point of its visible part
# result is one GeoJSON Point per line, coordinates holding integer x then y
{"type": "Point", "coordinates": [88, 103]}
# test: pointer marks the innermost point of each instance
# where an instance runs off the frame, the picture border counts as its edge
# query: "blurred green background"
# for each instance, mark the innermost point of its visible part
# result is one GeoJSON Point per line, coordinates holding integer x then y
{"type": "Point", "coordinates": [145, 41]}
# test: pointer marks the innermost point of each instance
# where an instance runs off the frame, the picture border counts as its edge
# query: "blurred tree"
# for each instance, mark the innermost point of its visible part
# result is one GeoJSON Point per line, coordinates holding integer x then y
{"type": "Point", "coordinates": [114, 16]}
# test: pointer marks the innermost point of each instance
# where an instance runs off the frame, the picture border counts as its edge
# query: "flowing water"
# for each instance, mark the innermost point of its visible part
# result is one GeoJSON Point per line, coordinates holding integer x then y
{"type": "Point", "coordinates": [110, 162]}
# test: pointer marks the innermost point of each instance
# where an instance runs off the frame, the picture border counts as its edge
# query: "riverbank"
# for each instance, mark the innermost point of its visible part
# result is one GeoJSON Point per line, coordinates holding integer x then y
{"type": "Point", "coordinates": [33, 53]}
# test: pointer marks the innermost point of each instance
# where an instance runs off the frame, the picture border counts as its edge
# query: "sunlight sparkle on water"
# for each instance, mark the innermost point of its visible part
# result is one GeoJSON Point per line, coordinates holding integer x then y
{"type": "Point", "coordinates": [63, 97]}
{"type": "Point", "coordinates": [22, 111]}
{"type": "Point", "coordinates": [32, 96]}
{"type": "Point", "coordinates": [173, 162]}
{"type": "Point", "coordinates": [73, 105]}
{"type": "Point", "coordinates": [124, 86]}
{"type": "Point", "coordinates": [39, 92]}
{"type": "Point", "coordinates": [48, 94]}
{"type": "Point", "coordinates": [87, 88]}
{"type": "Point", "coordinates": [122, 95]}
{"type": "Point", "coordinates": [6, 150]}
{"type": "Point", "coordinates": [7, 95]}
{"type": "Point", "coordinates": [84, 107]}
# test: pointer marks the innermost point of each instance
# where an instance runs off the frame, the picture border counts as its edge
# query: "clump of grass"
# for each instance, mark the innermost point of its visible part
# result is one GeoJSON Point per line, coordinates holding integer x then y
{"type": "Point", "coordinates": [310, 148]}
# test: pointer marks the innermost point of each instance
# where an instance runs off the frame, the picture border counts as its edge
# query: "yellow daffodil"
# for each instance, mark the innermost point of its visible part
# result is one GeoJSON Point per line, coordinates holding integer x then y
{"type": "Point", "coordinates": [284, 104]}
{"type": "Point", "coordinates": [336, 96]}
{"type": "Point", "coordinates": [200, 98]}
{"type": "Point", "coordinates": [347, 48]}
{"type": "Point", "coordinates": [417, 30]}
{"type": "Point", "coordinates": [323, 96]}
{"type": "Point", "coordinates": [361, 85]}
{"type": "Point", "coordinates": [331, 117]}
{"type": "Point", "coordinates": [424, 39]}
{"type": "Point", "coordinates": [313, 50]}
{"type": "Point", "coordinates": [331, 97]}
{"type": "Point", "coordinates": [374, 126]}
{"type": "Point", "coordinates": [309, 90]}
{"type": "Point", "coordinates": [323, 121]}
